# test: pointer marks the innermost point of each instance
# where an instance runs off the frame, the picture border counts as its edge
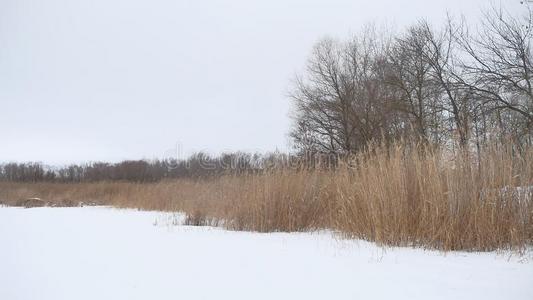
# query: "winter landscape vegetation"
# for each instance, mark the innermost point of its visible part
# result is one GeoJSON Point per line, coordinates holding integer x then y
{"type": "Point", "coordinates": [408, 170]}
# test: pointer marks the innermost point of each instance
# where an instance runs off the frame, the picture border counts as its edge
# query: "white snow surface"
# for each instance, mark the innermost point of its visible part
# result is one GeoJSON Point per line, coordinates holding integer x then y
{"type": "Point", "coordinates": [106, 253]}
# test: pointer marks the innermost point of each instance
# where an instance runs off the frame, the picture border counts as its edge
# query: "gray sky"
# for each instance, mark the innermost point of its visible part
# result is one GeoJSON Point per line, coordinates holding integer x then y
{"type": "Point", "coordinates": [127, 79]}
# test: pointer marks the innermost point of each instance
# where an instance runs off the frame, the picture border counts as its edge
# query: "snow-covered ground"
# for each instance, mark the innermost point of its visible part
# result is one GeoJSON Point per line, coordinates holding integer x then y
{"type": "Point", "coordinates": [104, 253]}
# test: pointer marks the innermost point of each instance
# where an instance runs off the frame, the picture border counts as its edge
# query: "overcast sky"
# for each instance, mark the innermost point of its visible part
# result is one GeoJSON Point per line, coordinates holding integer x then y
{"type": "Point", "coordinates": [127, 79]}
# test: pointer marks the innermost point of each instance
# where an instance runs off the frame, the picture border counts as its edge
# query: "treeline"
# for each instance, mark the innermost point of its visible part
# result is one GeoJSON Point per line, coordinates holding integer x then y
{"type": "Point", "coordinates": [199, 165]}
{"type": "Point", "coordinates": [452, 86]}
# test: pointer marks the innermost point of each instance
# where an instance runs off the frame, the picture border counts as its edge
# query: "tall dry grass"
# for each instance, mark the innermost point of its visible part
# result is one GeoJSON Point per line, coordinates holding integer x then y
{"type": "Point", "coordinates": [400, 195]}
{"type": "Point", "coordinates": [406, 197]}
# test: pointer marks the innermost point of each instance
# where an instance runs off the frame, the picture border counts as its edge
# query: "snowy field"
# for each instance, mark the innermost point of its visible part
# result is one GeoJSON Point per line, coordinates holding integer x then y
{"type": "Point", "coordinates": [104, 253]}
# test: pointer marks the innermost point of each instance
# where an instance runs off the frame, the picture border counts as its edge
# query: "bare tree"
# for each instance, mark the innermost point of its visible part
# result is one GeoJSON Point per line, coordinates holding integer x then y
{"type": "Point", "coordinates": [342, 102]}
{"type": "Point", "coordinates": [411, 74]}
{"type": "Point", "coordinates": [498, 67]}
{"type": "Point", "coordinates": [457, 101]}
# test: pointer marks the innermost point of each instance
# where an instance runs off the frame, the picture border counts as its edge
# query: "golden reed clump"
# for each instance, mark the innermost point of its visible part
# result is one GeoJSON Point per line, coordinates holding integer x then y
{"type": "Point", "coordinates": [399, 196]}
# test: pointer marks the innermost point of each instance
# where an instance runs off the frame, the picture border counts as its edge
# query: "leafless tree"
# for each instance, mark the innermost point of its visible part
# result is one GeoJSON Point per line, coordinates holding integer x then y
{"type": "Point", "coordinates": [498, 67]}
{"type": "Point", "coordinates": [411, 75]}
{"type": "Point", "coordinates": [341, 103]}
{"type": "Point", "coordinates": [439, 86]}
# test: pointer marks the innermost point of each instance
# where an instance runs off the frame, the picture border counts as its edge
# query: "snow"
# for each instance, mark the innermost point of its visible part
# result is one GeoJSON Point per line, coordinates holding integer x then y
{"type": "Point", "coordinates": [105, 253]}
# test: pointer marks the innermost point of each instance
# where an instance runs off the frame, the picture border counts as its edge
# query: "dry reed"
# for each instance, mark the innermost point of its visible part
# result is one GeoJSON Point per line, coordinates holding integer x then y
{"type": "Point", "coordinates": [399, 196]}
